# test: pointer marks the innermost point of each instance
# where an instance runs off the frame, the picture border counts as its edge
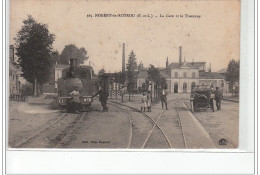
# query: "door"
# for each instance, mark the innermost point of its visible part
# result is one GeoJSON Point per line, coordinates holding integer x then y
{"type": "Point", "coordinates": [175, 88]}
{"type": "Point", "coordinates": [184, 87]}
{"type": "Point", "coordinates": [193, 86]}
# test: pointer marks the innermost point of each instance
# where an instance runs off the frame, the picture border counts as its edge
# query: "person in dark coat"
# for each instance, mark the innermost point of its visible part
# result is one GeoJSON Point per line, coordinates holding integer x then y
{"type": "Point", "coordinates": [211, 99]}
{"type": "Point", "coordinates": [103, 97]}
{"type": "Point", "coordinates": [218, 97]}
{"type": "Point", "coordinates": [163, 95]}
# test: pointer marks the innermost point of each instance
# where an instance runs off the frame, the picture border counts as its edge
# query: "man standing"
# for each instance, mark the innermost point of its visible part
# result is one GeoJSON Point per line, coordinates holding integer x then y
{"type": "Point", "coordinates": [164, 98]}
{"type": "Point", "coordinates": [149, 101]}
{"type": "Point", "coordinates": [75, 101]}
{"type": "Point", "coordinates": [144, 102]}
{"type": "Point", "coordinates": [211, 99]}
{"type": "Point", "coordinates": [103, 97]}
{"type": "Point", "coordinates": [218, 97]}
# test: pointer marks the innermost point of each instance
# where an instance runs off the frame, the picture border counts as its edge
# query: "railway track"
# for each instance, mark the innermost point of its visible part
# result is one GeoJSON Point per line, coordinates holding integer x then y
{"type": "Point", "coordinates": [48, 130]}
{"type": "Point", "coordinates": [64, 136]}
{"type": "Point", "coordinates": [180, 122]}
{"type": "Point", "coordinates": [155, 124]}
{"type": "Point", "coordinates": [31, 138]}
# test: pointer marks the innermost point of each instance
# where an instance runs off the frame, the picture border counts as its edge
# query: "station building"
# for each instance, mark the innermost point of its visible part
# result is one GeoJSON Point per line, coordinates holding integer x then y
{"type": "Point", "coordinates": [183, 76]}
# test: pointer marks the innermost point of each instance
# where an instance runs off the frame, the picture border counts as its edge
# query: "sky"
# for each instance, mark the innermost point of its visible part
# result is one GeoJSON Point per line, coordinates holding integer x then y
{"type": "Point", "coordinates": [213, 38]}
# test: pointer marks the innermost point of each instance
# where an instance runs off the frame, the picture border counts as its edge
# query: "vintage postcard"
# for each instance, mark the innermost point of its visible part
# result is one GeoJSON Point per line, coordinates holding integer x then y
{"type": "Point", "coordinates": [124, 74]}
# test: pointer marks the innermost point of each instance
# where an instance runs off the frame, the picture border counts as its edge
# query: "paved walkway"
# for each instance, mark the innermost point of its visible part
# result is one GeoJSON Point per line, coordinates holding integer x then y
{"type": "Point", "coordinates": [195, 135]}
{"type": "Point", "coordinates": [229, 97]}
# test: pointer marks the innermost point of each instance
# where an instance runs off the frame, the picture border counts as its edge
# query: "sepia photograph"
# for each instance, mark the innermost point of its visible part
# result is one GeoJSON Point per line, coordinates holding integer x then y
{"type": "Point", "coordinates": [123, 74]}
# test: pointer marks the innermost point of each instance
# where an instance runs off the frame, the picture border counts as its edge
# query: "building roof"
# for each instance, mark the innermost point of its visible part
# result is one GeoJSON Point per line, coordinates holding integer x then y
{"type": "Point", "coordinates": [142, 74]}
{"type": "Point", "coordinates": [61, 66]}
{"type": "Point", "coordinates": [222, 71]}
{"type": "Point", "coordinates": [195, 65]}
{"type": "Point", "coordinates": [173, 66]}
{"type": "Point", "coordinates": [165, 73]}
{"type": "Point", "coordinates": [210, 75]}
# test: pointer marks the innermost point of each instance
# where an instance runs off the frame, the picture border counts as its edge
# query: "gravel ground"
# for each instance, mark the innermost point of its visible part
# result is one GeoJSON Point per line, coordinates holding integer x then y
{"type": "Point", "coordinates": [121, 127]}
{"type": "Point", "coordinates": [25, 120]}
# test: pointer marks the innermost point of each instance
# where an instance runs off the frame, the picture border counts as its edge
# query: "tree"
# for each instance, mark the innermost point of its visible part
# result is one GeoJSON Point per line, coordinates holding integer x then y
{"type": "Point", "coordinates": [131, 68]}
{"type": "Point", "coordinates": [72, 52]}
{"type": "Point", "coordinates": [122, 77]}
{"type": "Point", "coordinates": [33, 44]}
{"type": "Point", "coordinates": [154, 76]}
{"type": "Point", "coordinates": [232, 74]}
{"type": "Point", "coordinates": [101, 72]}
{"type": "Point", "coordinates": [140, 66]}
{"type": "Point", "coordinates": [55, 56]}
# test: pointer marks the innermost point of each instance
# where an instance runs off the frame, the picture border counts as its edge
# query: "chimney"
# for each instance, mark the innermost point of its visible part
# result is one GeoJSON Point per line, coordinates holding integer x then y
{"type": "Point", "coordinates": [167, 63]}
{"type": "Point", "coordinates": [180, 61]}
{"type": "Point", "coordinates": [123, 59]}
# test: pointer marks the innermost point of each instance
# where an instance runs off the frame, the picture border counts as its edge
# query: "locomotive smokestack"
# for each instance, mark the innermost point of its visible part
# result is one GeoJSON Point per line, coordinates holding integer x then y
{"type": "Point", "coordinates": [123, 59]}
{"type": "Point", "coordinates": [73, 67]}
{"type": "Point", "coordinates": [180, 56]}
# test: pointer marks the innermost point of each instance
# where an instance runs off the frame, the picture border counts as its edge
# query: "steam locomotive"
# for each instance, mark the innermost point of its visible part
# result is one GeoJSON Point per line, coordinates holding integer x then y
{"type": "Point", "coordinates": [75, 77]}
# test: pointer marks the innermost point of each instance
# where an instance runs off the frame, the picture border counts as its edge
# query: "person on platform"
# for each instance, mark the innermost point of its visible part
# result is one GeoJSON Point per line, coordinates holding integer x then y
{"type": "Point", "coordinates": [211, 99]}
{"type": "Point", "coordinates": [75, 101]}
{"type": "Point", "coordinates": [164, 98]}
{"type": "Point", "coordinates": [103, 97]}
{"type": "Point", "coordinates": [144, 102]}
{"type": "Point", "coordinates": [149, 101]}
{"type": "Point", "coordinates": [218, 97]}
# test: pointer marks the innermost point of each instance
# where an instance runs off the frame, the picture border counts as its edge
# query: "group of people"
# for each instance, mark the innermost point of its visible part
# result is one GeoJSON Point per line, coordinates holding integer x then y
{"type": "Point", "coordinates": [75, 100]}
{"type": "Point", "coordinates": [217, 96]}
{"type": "Point", "coordinates": [147, 99]}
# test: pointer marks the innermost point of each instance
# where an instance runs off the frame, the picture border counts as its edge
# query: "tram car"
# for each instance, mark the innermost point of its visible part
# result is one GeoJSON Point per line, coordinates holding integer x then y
{"type": "Point", "coordinates": [79, 78]}
{"type": "Point", "coordinates": [201, 97]}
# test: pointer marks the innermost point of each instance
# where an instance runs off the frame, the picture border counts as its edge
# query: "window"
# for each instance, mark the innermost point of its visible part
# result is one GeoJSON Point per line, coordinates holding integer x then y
{"type": "Point", "coordinates": [184, 74]}
{"type": "Point", "coordinates": [176, 74]}
{"type": "Point", "coordinates": [193, 74]}
{"type": "Point", "coordinates": [184, 86]}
